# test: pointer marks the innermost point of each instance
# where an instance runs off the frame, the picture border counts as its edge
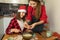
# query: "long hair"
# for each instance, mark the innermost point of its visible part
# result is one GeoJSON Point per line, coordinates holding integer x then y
{"type": "Point", "coordinates": [38, 8]}
{"type": "Point", "coordinates": [18, 16]}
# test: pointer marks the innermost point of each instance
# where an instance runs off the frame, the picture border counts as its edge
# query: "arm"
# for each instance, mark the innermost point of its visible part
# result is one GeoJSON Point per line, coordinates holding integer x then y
{"type": "Point", "coordinates": [28, 17]}
{"type": "Point", "coordinates": [17, 28]}
{"type": "Point", "coordinates": [26, 25]}
{"type": "Point", "coordinates": [37, 23]}
{"type": "Point", "coordinates": [44, 15]}
{"type": "Point", "coordinates": [43, 18]}
{"type": "Point", "coordinates": [29, 11]}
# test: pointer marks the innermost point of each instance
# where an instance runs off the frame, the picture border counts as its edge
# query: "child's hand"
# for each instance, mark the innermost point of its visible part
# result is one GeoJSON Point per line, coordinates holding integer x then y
{"type": "Point", "coordinates": [27, 30]}
{"type": "Point", "coordinates": [26, 25]}
{"type": "Point", "coordinates": [12, 30]}
{"type": "Point", "coordinates": [17, 31]}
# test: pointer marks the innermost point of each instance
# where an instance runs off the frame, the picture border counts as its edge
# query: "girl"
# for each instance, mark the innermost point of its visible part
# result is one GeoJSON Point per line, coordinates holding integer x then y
{"type": "Point", "coordinates": [36, 17]}
{"type": "Point", "coordinates": [16, 24]}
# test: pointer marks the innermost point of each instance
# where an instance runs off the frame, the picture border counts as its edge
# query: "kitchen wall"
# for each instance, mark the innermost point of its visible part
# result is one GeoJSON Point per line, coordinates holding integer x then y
{"type": "Point", "coordinates": [53, 12]}
{"type": "Point", "coordinates": [17, 1]}
{"type": "Point", "coordinates": [14, 1]}
{"type": "Point", "coordinates": [1, 0]}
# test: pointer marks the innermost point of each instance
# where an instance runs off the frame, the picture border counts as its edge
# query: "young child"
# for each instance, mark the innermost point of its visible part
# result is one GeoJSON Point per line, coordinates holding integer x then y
{"type": "Point", "coordinates": [17, 23]}
{"type": "Point", "coordinates": [36, 16]}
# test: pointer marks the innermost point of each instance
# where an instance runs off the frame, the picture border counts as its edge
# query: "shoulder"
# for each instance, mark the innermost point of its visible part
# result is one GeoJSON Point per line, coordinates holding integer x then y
{"type": "Point", "coordinates": [42, 6]}
{"type": "Point", "coordinates": [13, 20]}
{"type": "Point", "coordinates": [29, 7]}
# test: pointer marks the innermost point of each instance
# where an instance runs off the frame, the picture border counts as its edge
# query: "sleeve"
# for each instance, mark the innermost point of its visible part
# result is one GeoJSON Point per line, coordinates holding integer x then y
{"type": "Point", "coordinates": [16, 25]}
{"type": "Point", "coordinates": [43, 14]}
{"type": "Point", "coordinates": [9, 27]}
{"type": "Point", "coordinates": [29, 11]}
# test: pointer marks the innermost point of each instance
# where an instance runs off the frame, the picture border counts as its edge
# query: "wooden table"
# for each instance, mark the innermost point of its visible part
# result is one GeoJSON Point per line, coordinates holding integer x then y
{"type": "Point", "coordinates": [37, 35]}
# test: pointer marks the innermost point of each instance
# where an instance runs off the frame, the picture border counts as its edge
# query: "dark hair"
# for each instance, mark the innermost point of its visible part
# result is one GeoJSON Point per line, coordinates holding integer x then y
{"type": "Point", "coordinates": [38, 8]}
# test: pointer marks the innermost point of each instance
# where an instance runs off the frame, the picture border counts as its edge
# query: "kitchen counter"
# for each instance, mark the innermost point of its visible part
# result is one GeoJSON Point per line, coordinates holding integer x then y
{"type": "Point", "coordinates": [1, 16]}
{"type": "Point", "coordinates": [5, 16]}
{"type": "Point", "coordinates": [37, 35]}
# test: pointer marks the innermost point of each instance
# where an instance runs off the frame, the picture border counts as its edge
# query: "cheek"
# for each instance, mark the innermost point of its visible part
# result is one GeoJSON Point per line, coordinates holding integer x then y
{"type": "Point", "coordinates": [33, 6]}
{"type": "Point", "coordinates": [23, 14]}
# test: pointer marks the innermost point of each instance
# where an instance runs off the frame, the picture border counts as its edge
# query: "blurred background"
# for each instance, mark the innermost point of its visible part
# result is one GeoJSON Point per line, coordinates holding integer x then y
{"type": "Point", "coordinates": [8, 7]}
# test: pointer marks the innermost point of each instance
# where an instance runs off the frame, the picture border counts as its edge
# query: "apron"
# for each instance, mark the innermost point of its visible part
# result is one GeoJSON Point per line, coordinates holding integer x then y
{"type": "Point", "coordinates": [37, 28]}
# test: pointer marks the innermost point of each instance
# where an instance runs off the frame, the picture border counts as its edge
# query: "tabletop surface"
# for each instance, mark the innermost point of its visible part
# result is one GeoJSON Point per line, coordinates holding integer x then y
{"type": "Point", "coordinates": [37, 35]}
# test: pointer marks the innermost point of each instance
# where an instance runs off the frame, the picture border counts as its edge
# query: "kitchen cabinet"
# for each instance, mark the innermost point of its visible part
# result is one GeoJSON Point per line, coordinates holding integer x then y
{"type": "Point", "coordinates": [7, 9]}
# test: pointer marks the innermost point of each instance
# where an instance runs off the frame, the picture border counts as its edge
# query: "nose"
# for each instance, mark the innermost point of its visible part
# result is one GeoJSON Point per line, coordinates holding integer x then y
{"type": "Point", "coordinates": [21, 13]}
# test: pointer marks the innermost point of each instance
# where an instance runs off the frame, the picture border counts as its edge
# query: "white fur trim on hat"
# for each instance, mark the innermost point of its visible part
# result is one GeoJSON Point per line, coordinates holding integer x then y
{"type": "Point", "coordinates": [22, 10]}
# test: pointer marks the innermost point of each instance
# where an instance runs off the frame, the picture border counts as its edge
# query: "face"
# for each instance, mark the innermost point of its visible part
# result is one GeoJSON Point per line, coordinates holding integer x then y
{"type": "Point", "coordinates": [33, 4]}
{"type": "Point", "coordinates": [22, 14]}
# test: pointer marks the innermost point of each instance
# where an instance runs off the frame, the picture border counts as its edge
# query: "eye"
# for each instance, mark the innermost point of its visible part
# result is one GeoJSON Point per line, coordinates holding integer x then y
{"type": "Point", "coordinates": [33, 3]}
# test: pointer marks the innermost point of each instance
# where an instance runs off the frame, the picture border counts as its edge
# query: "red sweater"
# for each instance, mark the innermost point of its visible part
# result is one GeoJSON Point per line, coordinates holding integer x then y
{"type": "Point", "coordinates": [43, 13]}
{"type": "Point", "coordinates": [13, 24]}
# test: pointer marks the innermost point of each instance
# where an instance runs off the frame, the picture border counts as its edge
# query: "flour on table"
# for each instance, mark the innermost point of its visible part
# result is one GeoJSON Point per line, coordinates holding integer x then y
{"type": "Point", "coordinates": [18, 37]}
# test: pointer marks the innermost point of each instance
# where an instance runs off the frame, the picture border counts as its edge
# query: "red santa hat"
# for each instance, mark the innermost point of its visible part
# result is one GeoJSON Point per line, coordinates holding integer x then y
{"type": "Point", "coordinates": [22, 9]}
